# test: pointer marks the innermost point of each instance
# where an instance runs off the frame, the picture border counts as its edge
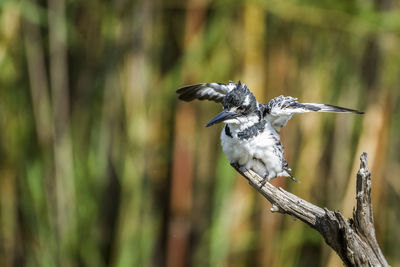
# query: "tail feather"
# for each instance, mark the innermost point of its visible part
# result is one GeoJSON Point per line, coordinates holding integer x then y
{"type": "Point", "coordinates": [287, 173]}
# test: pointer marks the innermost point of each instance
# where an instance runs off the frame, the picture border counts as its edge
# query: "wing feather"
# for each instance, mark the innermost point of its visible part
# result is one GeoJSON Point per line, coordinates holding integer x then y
{"type": "Point", "coordinates": [281, 109]}
{"type": "Point", "coordinates": [205, 91]}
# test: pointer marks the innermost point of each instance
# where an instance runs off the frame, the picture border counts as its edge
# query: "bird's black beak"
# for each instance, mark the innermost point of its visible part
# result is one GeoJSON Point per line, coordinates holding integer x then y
{"type": "Point", "coordinates": [224, 115]}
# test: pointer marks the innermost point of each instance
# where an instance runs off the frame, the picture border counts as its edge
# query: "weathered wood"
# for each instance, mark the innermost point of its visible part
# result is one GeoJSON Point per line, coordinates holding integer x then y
{"type": "Point", "coordinates": [353, 239]}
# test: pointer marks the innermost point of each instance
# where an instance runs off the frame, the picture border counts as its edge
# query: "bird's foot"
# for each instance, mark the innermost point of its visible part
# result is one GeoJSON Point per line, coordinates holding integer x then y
{"type": "Point", "coordinates": [265, 180]}
{"type": "Point", "coordinates": [239, 169]}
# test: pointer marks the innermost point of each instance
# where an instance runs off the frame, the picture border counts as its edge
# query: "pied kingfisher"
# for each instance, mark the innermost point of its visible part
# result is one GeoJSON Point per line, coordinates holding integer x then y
{"type": "Point", "coordinates": [250, 138]}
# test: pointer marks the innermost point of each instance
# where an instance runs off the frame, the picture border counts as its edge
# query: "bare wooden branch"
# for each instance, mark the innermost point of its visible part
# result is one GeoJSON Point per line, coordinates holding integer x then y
{"type": "Point", "coordinates": [353, 239]}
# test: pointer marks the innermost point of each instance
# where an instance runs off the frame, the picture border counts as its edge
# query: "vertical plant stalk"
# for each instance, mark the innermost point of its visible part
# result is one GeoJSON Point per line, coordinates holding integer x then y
{"type": "Point", "coordinates": [353, 239]}
{"type": "Point", "coordinates": [42, 111]}
{"type": "Point", "coordinates": [182, 194]}
{"type": "Point", "coordinates": [62, 149]}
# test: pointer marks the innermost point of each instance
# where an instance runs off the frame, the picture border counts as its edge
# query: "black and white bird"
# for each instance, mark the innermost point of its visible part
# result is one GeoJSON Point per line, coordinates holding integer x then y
{"type": "Point", "coordinates": [250, 138]}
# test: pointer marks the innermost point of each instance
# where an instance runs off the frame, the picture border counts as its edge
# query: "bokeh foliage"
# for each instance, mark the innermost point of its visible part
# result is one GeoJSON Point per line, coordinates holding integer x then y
{"type": "Point", "coordinates": [100, 165]}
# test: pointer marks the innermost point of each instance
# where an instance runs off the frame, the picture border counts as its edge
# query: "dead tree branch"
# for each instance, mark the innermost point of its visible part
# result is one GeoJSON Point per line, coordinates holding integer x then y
{"type": "Point", "coordinates": [353, 239]}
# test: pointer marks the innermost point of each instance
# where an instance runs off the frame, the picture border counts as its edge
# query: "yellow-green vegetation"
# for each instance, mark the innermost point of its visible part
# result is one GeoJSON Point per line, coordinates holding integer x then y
{"type": "Point", "coordinates": [100, 165]}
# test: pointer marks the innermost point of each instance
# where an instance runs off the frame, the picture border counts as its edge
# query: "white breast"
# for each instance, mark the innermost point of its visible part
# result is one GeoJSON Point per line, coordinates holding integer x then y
{"type": "Point", "coordinates": [259, 153]}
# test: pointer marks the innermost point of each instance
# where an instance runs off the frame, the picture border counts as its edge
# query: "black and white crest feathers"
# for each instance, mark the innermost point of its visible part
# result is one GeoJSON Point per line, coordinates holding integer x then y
{"type": "Point", "coordinates": [241, 98]}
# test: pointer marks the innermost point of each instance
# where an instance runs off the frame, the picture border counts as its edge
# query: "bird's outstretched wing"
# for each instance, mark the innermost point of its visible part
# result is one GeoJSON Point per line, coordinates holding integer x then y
{"type": "Point", "coordinates": [205, 91]}
{"type": "Point", "coordinates": [280, 109]}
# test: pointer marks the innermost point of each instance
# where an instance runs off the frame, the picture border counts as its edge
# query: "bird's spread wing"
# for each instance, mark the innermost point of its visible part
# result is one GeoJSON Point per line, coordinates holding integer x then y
{"type": "Point", "coordinates": [205, 91]}
{"type": "Point", "coordinates": [280, 109]}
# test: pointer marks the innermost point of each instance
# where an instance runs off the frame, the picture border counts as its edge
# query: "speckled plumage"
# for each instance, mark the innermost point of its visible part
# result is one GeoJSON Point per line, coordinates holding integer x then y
{"type": "Point", "coordinates": [250, 138]}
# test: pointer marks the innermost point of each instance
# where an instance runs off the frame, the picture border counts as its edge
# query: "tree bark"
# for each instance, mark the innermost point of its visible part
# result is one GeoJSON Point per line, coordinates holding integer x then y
{"type": "Point", "coordinates": [353, 239]}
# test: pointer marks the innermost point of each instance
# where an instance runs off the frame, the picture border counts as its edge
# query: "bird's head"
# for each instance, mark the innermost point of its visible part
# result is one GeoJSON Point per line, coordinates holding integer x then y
{"type": "Point", "coordinates": [239, 105]}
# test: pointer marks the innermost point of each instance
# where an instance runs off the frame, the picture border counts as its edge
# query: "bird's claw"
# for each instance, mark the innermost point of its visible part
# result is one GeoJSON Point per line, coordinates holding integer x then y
{"type": "Point", "coordinates": [263, 182]}
{"type": "Point", "coordinates": [238, 168]}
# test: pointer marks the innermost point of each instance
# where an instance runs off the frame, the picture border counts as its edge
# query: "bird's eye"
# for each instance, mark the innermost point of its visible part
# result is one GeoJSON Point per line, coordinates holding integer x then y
{"type": "Point", "coordinates": [240, 109]}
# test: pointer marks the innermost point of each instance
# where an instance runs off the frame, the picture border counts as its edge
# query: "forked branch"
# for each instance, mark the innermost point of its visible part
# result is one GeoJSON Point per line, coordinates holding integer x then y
{"type": "Point", "coordinates": [353, 239]}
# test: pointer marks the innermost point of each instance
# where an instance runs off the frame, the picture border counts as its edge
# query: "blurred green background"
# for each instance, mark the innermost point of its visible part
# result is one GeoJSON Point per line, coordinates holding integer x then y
{"type": "Point", "coordinates": [100, 165]}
